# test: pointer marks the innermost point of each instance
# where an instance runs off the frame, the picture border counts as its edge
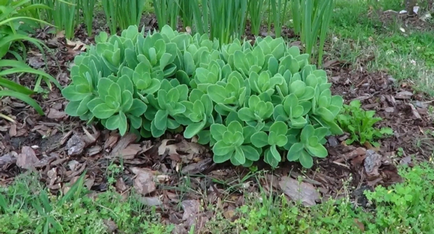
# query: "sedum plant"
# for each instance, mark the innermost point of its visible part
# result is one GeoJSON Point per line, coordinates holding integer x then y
{"type": "Point", "coordinates": [246, 101]}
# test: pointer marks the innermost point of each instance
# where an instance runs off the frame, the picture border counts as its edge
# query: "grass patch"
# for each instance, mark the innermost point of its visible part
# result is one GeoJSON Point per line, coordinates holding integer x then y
{"type": "Point", "coordinates": [359, 36]}
{"type": "Point", "coordinates": [402, 208]}
{"type": "Point", "coordinates": [27, 207]}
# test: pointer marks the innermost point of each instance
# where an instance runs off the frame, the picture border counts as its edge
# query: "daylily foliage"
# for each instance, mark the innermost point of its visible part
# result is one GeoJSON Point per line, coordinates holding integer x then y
{"type": "Point", "coordinates": [245, 101]}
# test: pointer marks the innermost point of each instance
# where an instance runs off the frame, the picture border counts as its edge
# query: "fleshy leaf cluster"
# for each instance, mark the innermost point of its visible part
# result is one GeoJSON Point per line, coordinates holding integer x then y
{"type": "Point", "coordinates": [246, 101]}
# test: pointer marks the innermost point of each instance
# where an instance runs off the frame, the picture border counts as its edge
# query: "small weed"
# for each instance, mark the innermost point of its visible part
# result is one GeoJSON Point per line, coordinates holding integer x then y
{"type": "Point", "coordinates": [113, 171]}
{"type": "Point", "coordinates": [405, 207]}
{"type": "Point", "coordinates": [400, 152]}
{"type": "Point", "coordinates": [360, 124]}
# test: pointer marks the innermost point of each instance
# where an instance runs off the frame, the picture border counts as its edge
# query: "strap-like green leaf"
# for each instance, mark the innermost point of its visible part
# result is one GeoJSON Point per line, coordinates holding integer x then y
{"type": "Point", "coordinates": [23, 98]}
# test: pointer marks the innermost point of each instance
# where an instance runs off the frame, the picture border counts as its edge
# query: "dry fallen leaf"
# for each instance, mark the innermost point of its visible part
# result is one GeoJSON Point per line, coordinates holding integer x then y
{"type": "Point", "coordinates": [27, 159]}
{"type": "Point", "coordinates": [122, 144]}
{"type": "Point", "coordinates": [144, 181]}
{"type": "Point", "coordinates": [120, 185]}
{"type": "Point", "coordinates": [299, 191]}
{"type": "Point", "coordinates": [186, 150]}
{"type": "Point", "coordinates": [75, 145]}
{"type": "Point", "coordinates": [111, 226]}
{"type": "Point", "coordinates": [78, 45]}
{"type": "Point", "coordinates": [130, 151]}
{"type": "Point", "coordinates": [191, 209]}
{"type": "Point", "coordinates": [55, 114]}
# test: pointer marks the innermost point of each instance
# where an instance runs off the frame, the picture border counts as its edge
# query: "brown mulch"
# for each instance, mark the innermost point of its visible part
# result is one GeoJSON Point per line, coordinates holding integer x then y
{"type": "Point", "coordinates": [170, 171]}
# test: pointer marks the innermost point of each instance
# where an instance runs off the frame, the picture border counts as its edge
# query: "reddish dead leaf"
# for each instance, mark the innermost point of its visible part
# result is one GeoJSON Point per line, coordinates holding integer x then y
{"type": "Point", "coordinates": [120, 185]}
{"type": "Point", "coordinates": [13, 130]}
{"type": "Point", "coordinates": [196, 168]}
{"type": "Point", "coordinates": [144, 181]}
{"type": "Point", "coordinates": [303, 192]}
{"type": "Point", "coordinates": [111, 226]}
{"type": "Point", "coordinates": [350, 155]}
{"type": "Point", "coordinates": [191, 209]}
{"type": "Point", "coordinates": [186, 150]}
{"type": "Point", "coordinates": [130, 151]}
{"type": "Point", "coordinates": [360, 225]}
{"type": "Point", "coordinates": [111, 141]}
{"type": "Point", "coordinates": [27, 159]}
{"type": "Point", "coordinates": [122, 144]}
{"type": "Point", "coordinates": [55, 114]}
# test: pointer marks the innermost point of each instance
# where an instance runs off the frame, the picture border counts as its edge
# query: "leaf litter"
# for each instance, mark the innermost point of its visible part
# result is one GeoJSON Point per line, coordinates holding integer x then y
{"type": "Point", "coordinates": [172, 170]}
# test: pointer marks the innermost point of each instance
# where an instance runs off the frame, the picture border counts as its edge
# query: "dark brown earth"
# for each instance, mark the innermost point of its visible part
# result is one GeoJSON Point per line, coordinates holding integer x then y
{"type": "Point", "coordinates": [171, 170]}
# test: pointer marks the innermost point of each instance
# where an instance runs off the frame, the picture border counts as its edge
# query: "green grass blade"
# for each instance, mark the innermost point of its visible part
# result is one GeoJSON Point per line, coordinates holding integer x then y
{"type": "Point", "coordinates": [296, 15]}
{"type": "Point", "coordinates": [14, 86]}
{"type": "Point", "coordinates": [23, 98]}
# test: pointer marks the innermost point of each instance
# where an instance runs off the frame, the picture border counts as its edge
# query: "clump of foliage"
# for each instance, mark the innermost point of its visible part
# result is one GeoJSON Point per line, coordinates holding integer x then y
{"type": "Point", "coordinates": [245, 100]}
{"type": "Point", "coordinates": [26, 207]}
{"type": "Point", "coordinates": [12, 33]}
{"type": "Point", "coordinates": [405, 207]}
{"type": "Point", "coordinates": [360, 124]}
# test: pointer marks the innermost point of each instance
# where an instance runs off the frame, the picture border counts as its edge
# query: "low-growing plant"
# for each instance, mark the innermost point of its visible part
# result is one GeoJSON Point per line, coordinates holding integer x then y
{"type": "Point", "coordinates": [245, 101]}
{"type": "Point", "coordinates": [27, 207]}
{"type": "Point", "coordinates": [405, 207]}
{"type": "Point", "coordinates": [360, 124]}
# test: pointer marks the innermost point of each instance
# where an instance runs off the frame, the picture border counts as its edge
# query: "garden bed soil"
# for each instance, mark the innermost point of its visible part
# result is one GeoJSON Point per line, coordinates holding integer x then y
{"type": "Point", "coordinates": [171, 170]}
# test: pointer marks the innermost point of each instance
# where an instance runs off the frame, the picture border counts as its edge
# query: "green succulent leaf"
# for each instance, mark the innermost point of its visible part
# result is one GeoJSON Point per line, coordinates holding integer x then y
{"type": "Point", "coordinates": [259, 139]}
{"type": "Point", "coordinates": [277, 135]}
{"type": "Point", "coordinates": [270, 159]}
{"type": "Point", "coordinates": [221, 148]}
{"type": "Point", "coordinates": [193, 129]}
{"type": "Point", "coordinates": [160, 120]}
{"type": "Point", "coordinates": [118, 121]}
{"type": "Point", "coordinates": [295, 152]}
{"type": "Point", "coordinates": [305, 159]}
{"type": "Point", "coordinates": [102, 111]}
{"type": "Point", "coordinates": [250, 153]}
{"type": "Point", "coordinates": [217, 131]}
